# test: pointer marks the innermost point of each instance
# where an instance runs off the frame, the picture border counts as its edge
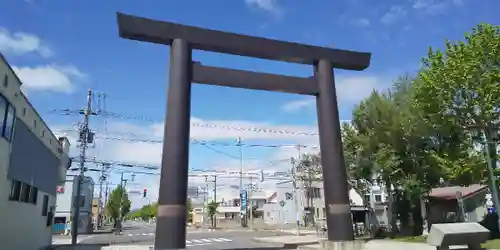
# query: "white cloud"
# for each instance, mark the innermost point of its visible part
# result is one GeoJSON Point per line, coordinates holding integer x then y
{"type": "Point", "coordinates": [150, 153]}
{"type": "Point", "coordinates": [362, 22]}
{"type": "Point", "coordinates": [20, 43]}
{"type": "Point", "coordinates": [435, 6]}
{"type": "Point", "coordinates": [49, 78]}
{"type": "Point", "coordinates": [350, 90]}
{"type": "Point", "coordinates": [394, 14]}
{"type": "Point", "coordinates": [267, 5]}
{"type": "Point", "coordinates": [298, 104]}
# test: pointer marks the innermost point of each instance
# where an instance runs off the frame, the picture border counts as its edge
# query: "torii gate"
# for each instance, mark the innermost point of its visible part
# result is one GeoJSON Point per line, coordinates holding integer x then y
{"type": "Point", "coordinates": [171, 215]}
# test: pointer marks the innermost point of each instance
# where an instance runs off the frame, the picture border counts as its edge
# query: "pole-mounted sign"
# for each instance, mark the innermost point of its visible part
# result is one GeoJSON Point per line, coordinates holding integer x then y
{"type": "Point", "coordinates": [244, 202]}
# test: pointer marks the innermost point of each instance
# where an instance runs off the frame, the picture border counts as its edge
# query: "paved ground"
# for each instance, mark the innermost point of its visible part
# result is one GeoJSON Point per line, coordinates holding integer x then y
{"type": "Point", "coordinates": [140, 233]}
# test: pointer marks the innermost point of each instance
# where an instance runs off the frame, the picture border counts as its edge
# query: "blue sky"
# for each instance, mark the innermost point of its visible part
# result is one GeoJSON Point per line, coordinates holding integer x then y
{"type": "Point", "coordinates": [62, 48]}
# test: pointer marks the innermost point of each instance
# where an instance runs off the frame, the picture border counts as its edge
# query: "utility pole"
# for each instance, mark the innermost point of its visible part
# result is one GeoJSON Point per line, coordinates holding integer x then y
{"type": "Point", "coordinates": [215, 196]}
{"type": "Point", "coordinates": [215, 199]}
{"type": "Point", "coordinates": [295, 192]}
{"type": "Point", "coordinates": [205, 201]}
{"type": "Point", "coordinates": [83, 133]}
{"type": "Point", "coordinates": [123, 184]}
{"type": "Point", "coordinates": [250, 192]}
{"type": "Point", "coordinates": [98, 222]}
{"type": "Point", "coordinates": [106, 194]}
{"type": "Point", "coordinates": [243, 210]}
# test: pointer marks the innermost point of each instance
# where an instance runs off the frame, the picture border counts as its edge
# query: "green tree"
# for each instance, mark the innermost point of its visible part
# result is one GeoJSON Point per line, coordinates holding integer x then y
{"type": "Point", "coordinates": [118, 199]}
{"type": "Point", "coordinates": [458, 91]}
{"type": "Point", "coordinates": [212, 210]}
{"type": "Point", "coordinates": [387, 143]}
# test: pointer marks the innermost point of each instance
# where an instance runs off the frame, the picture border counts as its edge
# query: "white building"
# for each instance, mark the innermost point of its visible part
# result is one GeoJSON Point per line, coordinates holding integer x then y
{"type": "Point", "coordinates": [33, 161]}
{"type": "Point", "coordinates": [64, 205]}
{"type": "Point", "coordinates": [283, 209]}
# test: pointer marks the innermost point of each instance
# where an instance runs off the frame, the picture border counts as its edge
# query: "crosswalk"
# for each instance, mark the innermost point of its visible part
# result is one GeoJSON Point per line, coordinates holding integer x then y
{"type": "Point", "coordinates": [203, 242]}
{"type": "Point", "coordinates": [190, 242]}
{"type": "Point", "coordinates": [66, 240]}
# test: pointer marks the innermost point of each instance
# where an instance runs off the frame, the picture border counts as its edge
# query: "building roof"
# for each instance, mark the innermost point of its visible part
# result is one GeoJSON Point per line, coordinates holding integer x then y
{"type": "Point", "coordinates": [450, 193]}
{"type": "Point", "coordinates": [4, 61]}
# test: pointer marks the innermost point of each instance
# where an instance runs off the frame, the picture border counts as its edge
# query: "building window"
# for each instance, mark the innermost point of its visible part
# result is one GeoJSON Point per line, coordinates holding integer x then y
{"type": "Point", "coordinates": [24, 111]}
{"type": "Point", "coordinates": [45, 205]}
{"type": "Point", "coordinates": [15, 190]}
{"type": "Point", "coordinates": [3, 113]}
{"type": "Point", "coordinates": [25, 192]}
{"type": "Point", "coordinates": [378, 198]}
{"type": "Point", "coordinates": [367, 198]}
{"type": "Point", "coordinates": [9, 123]}
{"type": "Point", "coordinates": [34, 123]}
{"type": "Point", "coordinates": [313, 192]}
{"type": "Point", "coordinates": [43, 133]}
{"type": "Point", "coordinates": [50, 217]}
{"type": "Point", "coordinates": [33, 195]}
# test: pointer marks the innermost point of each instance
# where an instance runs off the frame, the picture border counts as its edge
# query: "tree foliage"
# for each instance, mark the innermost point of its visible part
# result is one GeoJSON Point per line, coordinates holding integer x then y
{"type": "Point", "coordinates": [212, 211]}
{"type": "Point", "coordinates": [118, 199]}
{"type": "Point", "coordinates": [427, 130]}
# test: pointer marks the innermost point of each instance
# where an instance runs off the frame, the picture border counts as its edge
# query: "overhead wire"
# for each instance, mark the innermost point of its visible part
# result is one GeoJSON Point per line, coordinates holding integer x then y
{"type": "Point", "coordinates": [210, 125]}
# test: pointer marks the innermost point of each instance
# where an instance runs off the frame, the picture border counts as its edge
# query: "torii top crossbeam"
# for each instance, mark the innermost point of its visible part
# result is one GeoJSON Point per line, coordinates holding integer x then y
{"type": "Point", "coordinates": [154, 31]}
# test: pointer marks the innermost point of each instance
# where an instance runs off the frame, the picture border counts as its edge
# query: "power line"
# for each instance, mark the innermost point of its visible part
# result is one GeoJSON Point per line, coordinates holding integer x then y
{"type": "Point", "coordinates": [133, 165]}
{"type": "Point", "coordinates": [193, 141]}
{"type": "Point", "coordinates": [268, 130]}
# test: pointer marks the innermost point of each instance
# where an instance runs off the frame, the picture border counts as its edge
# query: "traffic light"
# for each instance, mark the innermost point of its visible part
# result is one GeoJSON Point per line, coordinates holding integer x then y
{"type": "Point", "coordinates": [145, 193]}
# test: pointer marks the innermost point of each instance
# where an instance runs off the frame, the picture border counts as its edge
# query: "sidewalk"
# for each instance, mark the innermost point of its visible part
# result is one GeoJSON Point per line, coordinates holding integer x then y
{"type": "Point", "coordinates": [66, 239]}
{"type": "Point", "coordinates": [292, 241]}
{"type": "Point", "coordinates": [101, 247]}
{"type": "Point", "coordinates": [311, 242]}
{"type": "Point", "coordinates": [382, 245]}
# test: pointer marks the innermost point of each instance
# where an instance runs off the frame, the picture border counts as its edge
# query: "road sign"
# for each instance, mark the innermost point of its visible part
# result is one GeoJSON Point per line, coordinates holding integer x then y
{"type": "Point", "coordinates": [288, 196]}
{"type": "Point", "coordinates": [282, 203]}
{"type": "Point", "coordinates": [244, 202]}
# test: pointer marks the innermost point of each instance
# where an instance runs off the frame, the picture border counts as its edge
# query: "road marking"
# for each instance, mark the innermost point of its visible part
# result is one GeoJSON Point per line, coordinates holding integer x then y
{"type": "Point", "coordinates": [206, 240]}
{"type": "Point", "coordinates": [197, 241]}
{"type": "Point", "coordinates": [151, 233]}
{"type": "Point", "coordinates": [130, 234]}
{"type": "Point", "coordinates": [144, 234]}
{"type": "Point", "coordinates": [224, 239]}
{"type": "Point", "coordinates": [217, 240]}
{"type": "Point", "coordinates": [188, 242]}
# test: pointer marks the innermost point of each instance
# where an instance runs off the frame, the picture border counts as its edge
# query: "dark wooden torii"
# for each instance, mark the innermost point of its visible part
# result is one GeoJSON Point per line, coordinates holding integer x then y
{"type": "Point", "coordinates": [171, 215]}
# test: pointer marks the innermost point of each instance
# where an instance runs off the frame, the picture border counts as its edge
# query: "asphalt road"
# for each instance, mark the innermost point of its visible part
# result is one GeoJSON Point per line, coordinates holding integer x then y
{"type": "Point", "coordinates": [141, 233]}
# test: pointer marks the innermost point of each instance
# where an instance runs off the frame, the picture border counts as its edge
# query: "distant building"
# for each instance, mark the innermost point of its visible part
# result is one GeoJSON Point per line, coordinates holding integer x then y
{"type": "Point", "coordinates": [97, 211]}
{"type": "Point", "coordinates": [33, 161]}
{"type": "Point", "coordinates": [64, 207]}
{"type": "Point", "coordinates": [281, 207]}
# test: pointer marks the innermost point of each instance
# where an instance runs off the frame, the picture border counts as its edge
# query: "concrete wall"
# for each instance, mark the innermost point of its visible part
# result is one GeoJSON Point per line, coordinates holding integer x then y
{"type": "Point", "coordinates": [20, 220]}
